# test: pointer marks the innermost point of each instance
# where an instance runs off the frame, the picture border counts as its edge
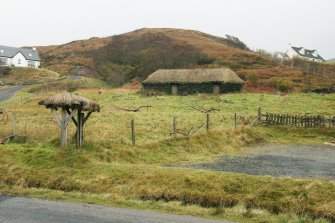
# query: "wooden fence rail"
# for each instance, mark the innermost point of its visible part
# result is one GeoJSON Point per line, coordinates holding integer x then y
{"type": "Point", "coordinates": [306, 121]}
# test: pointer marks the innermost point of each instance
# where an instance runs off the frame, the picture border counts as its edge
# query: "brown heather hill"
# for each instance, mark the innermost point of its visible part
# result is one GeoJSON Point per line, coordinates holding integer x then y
{"type": "Point", "coordinates": [194, 49]}
{"type": "Point", "coordinates": [134, 55]}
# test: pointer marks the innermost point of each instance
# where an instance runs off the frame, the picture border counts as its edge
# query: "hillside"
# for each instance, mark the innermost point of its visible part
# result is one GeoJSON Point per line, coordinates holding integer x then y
{"type": "Point", "coordinates": [331, 60]}
{"type": "Point", "coordinates": [135, 55]}
{"type": "Point", "coordinates": [143, 51]}
{"type": "Point", "coordinates": [26, 76]}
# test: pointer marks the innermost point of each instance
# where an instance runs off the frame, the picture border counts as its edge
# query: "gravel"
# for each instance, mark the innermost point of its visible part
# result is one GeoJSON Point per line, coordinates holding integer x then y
{"type": "Point", "coordinates": [297, 161]}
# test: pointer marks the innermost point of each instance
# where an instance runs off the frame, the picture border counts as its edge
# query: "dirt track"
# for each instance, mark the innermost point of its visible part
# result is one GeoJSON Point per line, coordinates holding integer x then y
{"type": "Point", "coordinates": [8, 92]}
{"type": "Point", "coordinates": [298, 161]}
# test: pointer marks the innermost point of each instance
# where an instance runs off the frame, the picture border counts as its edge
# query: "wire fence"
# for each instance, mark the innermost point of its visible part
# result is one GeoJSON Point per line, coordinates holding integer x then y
{"type": "Point", "coordinates": [143, 130]}
{"type": "Point", "coordinates": [135, 131]}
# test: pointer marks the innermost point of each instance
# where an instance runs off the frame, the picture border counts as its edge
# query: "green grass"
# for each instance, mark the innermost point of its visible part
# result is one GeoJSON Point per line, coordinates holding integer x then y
{"type": "Point", "coordinates": [110, 171]}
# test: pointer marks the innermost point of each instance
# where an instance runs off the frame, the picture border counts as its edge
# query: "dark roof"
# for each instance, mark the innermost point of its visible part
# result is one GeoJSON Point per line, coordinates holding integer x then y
{"type": "Point", "coordinates": [9, 52]}
{"type": "Point", "coordinates": [193, 76]}
{"type": "Point", "coordinates": [307, 53]}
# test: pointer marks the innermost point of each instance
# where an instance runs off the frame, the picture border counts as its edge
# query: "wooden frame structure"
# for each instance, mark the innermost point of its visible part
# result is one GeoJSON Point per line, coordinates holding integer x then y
{"type": "Point", "coordinates": [71, 105]}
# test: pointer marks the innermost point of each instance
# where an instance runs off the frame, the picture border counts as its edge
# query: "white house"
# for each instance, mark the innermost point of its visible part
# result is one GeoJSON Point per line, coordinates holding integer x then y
{"type": "Point", "coordinates": [281, 56]}
{"type": "Point", "coordinates": [19, 57]}
{"type": "Point", "coordinates": [305, 54]}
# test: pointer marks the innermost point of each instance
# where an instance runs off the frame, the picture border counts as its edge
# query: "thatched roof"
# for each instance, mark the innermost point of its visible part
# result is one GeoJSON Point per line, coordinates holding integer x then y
{"type": "Point", "coordinates": [71, 101]}
{"type": "Point", "coordinates": [193, 76]}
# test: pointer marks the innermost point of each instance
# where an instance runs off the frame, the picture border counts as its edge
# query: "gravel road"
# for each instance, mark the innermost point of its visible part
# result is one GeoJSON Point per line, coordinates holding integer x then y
{"type": "Point", "coordinates": [298, 161]}
{"type": "Point", "coordinates": [8, 92]}
{"type": "Point", "coordinates": [26, 210]}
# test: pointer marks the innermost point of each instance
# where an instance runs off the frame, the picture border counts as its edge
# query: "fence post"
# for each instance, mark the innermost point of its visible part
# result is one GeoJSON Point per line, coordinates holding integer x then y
{"type": "Point", "coordinates": [133, 131]}
{"type": "Point", "coordinates": [207, 122]}
{"type": "Point", "coordinates": [174, 127]}
{"type": "Point", "coordinates": [235, 118]}
{"type": "Point", "coordinates": [259, 114]}
{"type": "Point", "coordinates": [14, 124]}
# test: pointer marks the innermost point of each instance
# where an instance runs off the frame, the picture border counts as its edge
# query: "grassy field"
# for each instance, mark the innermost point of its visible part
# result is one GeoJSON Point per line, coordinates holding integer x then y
{"type": "Point", "coordinates": [110, 171]}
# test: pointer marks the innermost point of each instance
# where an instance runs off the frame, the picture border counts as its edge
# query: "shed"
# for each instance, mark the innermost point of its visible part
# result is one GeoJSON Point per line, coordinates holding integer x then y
{"type": "Point", "coordinates": [190, 81]}
{"type": "Point", "coordinates": [69, 104]}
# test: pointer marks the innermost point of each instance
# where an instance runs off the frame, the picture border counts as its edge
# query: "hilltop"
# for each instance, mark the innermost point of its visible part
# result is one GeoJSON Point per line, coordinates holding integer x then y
{"type": "Point", "coordinates": [134, 55]}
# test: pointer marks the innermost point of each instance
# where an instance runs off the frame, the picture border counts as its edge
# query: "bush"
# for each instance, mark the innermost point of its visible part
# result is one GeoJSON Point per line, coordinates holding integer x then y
{"type": "Point", "coordinates": [253, 78]}
{"type": "Point", "coordinates": [205, 59]}
{"type": "Point", "coordinates": [284, 85]}
{"type": "Point", "coordinates": [4, 71]}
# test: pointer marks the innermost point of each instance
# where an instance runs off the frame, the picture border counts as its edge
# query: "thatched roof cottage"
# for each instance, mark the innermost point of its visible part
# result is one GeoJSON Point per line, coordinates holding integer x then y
{"type": "Point", "coordinates": [189, 81]}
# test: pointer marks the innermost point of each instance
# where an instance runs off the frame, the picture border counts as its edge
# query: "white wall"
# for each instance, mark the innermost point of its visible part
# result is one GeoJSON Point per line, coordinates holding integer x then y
{"type": "Point", "coordinates": [19, 60]}
{"type": "Point", "coordinates": [35, 64]}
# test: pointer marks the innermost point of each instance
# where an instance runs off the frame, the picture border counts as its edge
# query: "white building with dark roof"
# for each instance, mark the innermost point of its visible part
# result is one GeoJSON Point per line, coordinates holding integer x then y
{"type": "Point", "coordinates": [19, 57]}
{"type": "Point", "coordinates": [305, 54]}
{"type": "Point", "coordinates": [281, 56]}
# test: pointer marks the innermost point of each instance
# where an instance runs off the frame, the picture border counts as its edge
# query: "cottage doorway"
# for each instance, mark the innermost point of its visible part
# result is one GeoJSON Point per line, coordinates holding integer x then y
{"type": "Point", "coordinates": [216, 89]}
{"type": "Point", "coordinates": [174, 89]}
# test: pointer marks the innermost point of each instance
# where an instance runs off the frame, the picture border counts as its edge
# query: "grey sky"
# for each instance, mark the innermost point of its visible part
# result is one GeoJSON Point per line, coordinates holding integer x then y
{"type": "Point", "coordinates": [262, 24]}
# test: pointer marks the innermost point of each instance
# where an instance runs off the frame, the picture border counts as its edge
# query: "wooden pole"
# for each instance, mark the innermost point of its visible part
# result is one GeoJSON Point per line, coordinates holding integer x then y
{"type": "Point", "coordinates": [235, 120]}
{"type": "Point", "coordinates": [133, 132]}
{"type": "Point", "coordinates": [259, 114]}
{"type": "Point", "coordinates": [207, 122]}
{"type": "Point", "coordinates": [14, 124]}
{"type": "Point", "coordinates": [79, 136]}
{"type": "Point", "coordinates": [82, 115]}
{"type": "Point", "coordinates": [63, 128]}
{"type": "Point", "coordinates": [174, 127]}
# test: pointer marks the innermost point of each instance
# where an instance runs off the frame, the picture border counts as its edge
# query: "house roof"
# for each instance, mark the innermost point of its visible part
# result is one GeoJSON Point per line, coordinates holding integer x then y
{"type": "Point", "coordinates": [9, 52]}
{"type": "Point", "coordinates": [307, 53]}
{"type": "Point", "coordinates": [284, 55]}
{"type": "Point", "coordinates": [193, 76]}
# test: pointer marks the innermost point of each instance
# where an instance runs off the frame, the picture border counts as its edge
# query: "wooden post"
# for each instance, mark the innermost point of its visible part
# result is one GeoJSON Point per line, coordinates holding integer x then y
{"type": "Point", "coordinates": [80, 129]}
{"type": "Point", "coordinates": [133, 131]}
{"type": "Point", "coordinates": [63, 128]}
{"type": "Point", "coordinates": [235, 120]}
{"type": "Point", "coordinates": [62, 123]}
{"type": "Point", "coordinates": [207, 122]}
{"type": "Point", "coordinates": [14, 124]}
{"type": "Point", "coordinates": [259, 114]}
{"type": "Point", "coordinates": [174, 127]}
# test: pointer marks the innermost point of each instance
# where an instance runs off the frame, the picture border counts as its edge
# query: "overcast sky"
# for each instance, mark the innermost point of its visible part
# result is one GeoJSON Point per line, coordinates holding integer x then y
{"type": "Point", "coordinates": [261, 24]}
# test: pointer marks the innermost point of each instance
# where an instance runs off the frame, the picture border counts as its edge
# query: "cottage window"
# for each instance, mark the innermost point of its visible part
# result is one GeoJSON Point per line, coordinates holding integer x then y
{"type": "Point", "coordinates": [19, 61]}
